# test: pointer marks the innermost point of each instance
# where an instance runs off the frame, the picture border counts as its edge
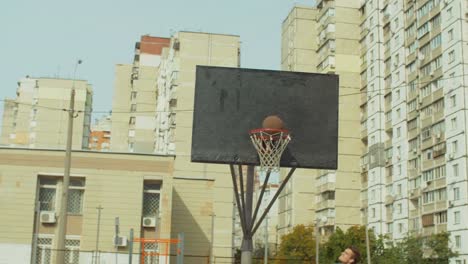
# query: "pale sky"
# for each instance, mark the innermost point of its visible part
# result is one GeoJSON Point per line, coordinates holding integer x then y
{"type": "Point", "coordinates": [45, 38]}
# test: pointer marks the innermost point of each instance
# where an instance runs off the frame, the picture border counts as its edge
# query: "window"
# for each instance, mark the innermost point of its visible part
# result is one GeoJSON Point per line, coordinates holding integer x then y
{"type": "Point", "coordinates": [458, 241]}
{"type": "Point", "coordinates": [455, 170]}
{"type": "Point", "coordinates": [398, 132]}
{"type": "Point", "coordinates": [456, 193]}
{"type": "Point", "coordinates": [390, 228]}
{"type": "Point", "coordinates": [441, 217]}
{"type": "Point", "coordinates": [47, 194]}
{"type": "Point", "coordinates": [133, 108]}
{"type": "Point", "coordinates": [132, 120]}
{"type": "Point", "coordinates": [44, 249]}
{"type": "Point", "coordinates": [400, 228]}
{"type": "Point", "coordinates": [151, 199]}
{"type": "Point", "coordinates": [426, 133]}
{"type": "Point", "coordinates": [436, 41]}
{"type": "Point", "coordinates": [455, 146]}
{"type": "Point", "coordinates": [398, 113]}
{"type": "Point", "coordinates": [72, 255]}
{"type": "Point", "coordinates": [450, 34]}
{"type": "Point", "coordinates": [451, 56]}
{"type": "Point", "coordinates": [453, 122]}
{"type": "Point", "coordinates": [412, 124]}
{"type": "Point", "coordinates": [428, 197]}
{"type": "Point", "coordinates": [133, 95]}
{"type": "Point", "coordinates": [456, 217]}
{"type": "Point", "coordinates": [373, 212]}
{"type": "Point", "coordinates": [75, 196]}
{"type": "Point", "coordinates": [426, 90]}
{"type": "Point", "coordinates": [400, 208]}
{"type": "Point", "coordinates": [453, 101]}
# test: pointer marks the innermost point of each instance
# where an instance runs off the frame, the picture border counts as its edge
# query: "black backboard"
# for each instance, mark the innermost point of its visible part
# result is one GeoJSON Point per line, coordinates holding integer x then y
{"type": "Point", "coordinates": [229, 102]}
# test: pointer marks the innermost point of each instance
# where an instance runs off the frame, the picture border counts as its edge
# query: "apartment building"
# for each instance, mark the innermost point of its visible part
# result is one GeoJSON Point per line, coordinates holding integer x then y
{"type": "Point", "coordinates": [174, 117]}
{"type": "Point", "coordinates": [413, 56]}
{"type": "Point", "coordinates": [329, 198]}
{"type": "Point", "coordinates": [298, 53]}
{"type": "Point", "coordinates": [134, 100]}
{"type": "Point", "coordinates": [135, 188]}
{"type": "Point", "coordinates": [99, 139]}
{"type": "Point", "coordinates": [37, 118]}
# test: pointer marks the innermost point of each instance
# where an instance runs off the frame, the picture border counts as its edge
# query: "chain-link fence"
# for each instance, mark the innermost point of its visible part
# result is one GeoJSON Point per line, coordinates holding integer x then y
{"type": "Point", "coordinates": [74, 256]}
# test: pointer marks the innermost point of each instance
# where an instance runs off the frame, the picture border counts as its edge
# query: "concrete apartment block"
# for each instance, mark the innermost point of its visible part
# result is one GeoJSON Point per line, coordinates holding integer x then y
{"type": "Point", "coordinates": [135, 95]}
{"type": "Point", "coordinates": [118, 183]}
{"type": "Point", "coordinates": [316, 194]}
{"type": "Point", "coordinates": [37, 120]}
{"type": "Point", "coordinates": [413, 60]}
{"type": "Point", "coordinates": [174, 122]}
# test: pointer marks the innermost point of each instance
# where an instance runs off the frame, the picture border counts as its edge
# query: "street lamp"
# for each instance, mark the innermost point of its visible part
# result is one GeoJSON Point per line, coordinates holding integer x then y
{"type": "Point", "coordinates": [62, 218]}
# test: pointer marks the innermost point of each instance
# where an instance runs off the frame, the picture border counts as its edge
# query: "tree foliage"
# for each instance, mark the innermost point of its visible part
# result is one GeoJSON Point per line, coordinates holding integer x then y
{"type": "Point", "coordinates": [297, 245]}
{"type": "Point", "coordinates": [300, 245]}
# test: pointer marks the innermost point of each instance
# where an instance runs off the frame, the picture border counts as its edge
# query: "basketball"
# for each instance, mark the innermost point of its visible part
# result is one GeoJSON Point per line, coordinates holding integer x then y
{"type": "Point", "coordinates": [273, 122]}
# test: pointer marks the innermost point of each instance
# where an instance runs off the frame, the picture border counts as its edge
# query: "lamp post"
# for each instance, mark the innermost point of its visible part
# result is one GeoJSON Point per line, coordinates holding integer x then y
{"type": "Point", "coordinates": [62, 218]}
{"type": "Point", "coordinates": [317, 237]}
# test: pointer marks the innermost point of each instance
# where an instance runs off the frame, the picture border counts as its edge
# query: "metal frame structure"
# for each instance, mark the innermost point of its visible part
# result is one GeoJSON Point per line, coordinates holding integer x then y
{"type": "Point", "coordinates": [244, 201]}
{"type": "Point", "coordinates": [165, 241]}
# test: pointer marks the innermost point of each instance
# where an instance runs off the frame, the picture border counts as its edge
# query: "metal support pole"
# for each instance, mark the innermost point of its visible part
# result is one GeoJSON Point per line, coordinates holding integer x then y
{"type": "Point", "coordinates": [265, 254]}
{"type": "Point", "coordinates": [130, 247]}
{"type": "Point", "coordinates": [236, 195]}
{"type": "Point", "coordinates": [96, 253]}
{"type": "Point", "coordinates": [37, 212]}
{"type": "Point", "coordinates": [62, 218]}
{"type": "Point", "coordinates": [265, 184]}
{"type": "Point", "coordinates": [212, 238]}
{"type": "Point", "coordinates": [272, 201]}
{"type": "Point", "coordinates": [317, 248]}
{"type": "Point", "coordinates": [367, 246]}
{"type": "Point", "coordinates": [247, 245]}
{"type": "Point", "coordinates": [180, 249]}
{"type": "Point", "coordinates": [117, 232]}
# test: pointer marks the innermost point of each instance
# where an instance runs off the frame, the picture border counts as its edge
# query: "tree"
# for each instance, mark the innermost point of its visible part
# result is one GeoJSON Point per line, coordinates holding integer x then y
{"type": "Point", "coordinates": [339, 240]}
{"type": "Point", "coordinates": [438, 248]}
{"type": "Point", "coordinates": [297, 245]}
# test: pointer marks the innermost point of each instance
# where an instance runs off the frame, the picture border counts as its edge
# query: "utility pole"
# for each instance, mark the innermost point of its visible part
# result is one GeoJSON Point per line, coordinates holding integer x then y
{"type": "Point", "coordinates": [367, 246]}
{"type": "Point", "coordinates": [62, 218]}
{"type": "Point", "coordinates": [99, 208]}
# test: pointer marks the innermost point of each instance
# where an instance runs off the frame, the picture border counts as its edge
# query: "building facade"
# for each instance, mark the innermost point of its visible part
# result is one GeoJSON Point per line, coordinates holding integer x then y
{"type": "Point", "coordinates": [327, 37]}
{"type": "Point", "coordinates": [135, 188]}
{"type": "Point", "coordinates": [135, 95]}
{"type": "Point", "coordinates": [99, 139]}
{"type": "Point", "coordinates": [174, 120]}
{"type": "Point", "coordinates": [413, 74]}
{"type": "Point", "coordinates": [37, 118]}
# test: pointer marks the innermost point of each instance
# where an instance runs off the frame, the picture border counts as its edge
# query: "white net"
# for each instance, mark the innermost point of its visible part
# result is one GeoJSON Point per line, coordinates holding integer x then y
{"type": "Point", "coordinates": [270, 145]}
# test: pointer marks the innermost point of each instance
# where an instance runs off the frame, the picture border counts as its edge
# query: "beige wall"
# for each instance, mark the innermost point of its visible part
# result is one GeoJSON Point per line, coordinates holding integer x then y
{"type": "Point", "coordinates": [113, 181]}
{"type": "Point", "coordinates": [202, 49]}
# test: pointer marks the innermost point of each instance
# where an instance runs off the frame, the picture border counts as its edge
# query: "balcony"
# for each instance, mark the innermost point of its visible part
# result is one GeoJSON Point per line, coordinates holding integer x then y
{"type": "Point", "coordinates": [415, 193]}
{"type": "Point", "coordinates": [330, 186]}
{"type": "Point", "coordinates": [389, 198]}
{"type": "Point", "coordinates": [364, 134]}
{"type": "Point", "coordinates": [414, 213]}
{"type": "Point", "coordinates": [325, 204]}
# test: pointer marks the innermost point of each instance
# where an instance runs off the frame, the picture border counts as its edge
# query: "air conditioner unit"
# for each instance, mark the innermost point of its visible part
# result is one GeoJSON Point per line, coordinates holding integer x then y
{"type": "Point", "coordinates": [332, 49]}
{"type": "Point", "coordinates": [120, 241]}
{"type": "Point", "coordinates": [421, 56]}
{"type": "Point", "coordinates": [47, 217]}
{"type": "Point", "coordinates": [149, 221]}
{"type": "Point", "coordinates": [431, 73]}
{"type": "Point", "coordinates": [415, 150]}
{"type": "Point", "coordinates": [450, 203]}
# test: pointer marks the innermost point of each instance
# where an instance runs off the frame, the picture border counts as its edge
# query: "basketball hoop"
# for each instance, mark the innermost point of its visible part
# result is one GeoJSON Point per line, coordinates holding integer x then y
{"type": "Point", "coordinates": [270, 144]}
